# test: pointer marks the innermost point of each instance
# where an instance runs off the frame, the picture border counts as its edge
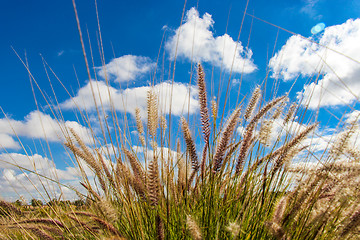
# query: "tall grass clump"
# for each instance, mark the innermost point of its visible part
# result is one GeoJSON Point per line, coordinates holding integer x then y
{"type": "Point", "coordinates": [234, 178]}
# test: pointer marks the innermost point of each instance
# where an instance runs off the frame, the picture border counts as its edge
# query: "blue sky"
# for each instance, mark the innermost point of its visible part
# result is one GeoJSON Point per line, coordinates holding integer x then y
{"type": "Point", "coordinates": [132, 33]}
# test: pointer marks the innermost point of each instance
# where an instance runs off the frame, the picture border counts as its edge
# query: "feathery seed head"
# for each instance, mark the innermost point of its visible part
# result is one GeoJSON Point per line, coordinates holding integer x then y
{"type": "Point", "coordinates": [279, 109]}
{"type": "Point", "coordinates": [341, 144]}
{"type": "Point", "coordinates": [280, 209]}
{"type": "Point", "coordinates": [233, 228]}
{"type": "Point", "coordinates": [265, 132]}
{"type": "Point", "coordinates": [290, 113]}
{"type": "Point", "coordinates": [253, 102]}
{"type": "Point", "coordinates": [193, 228]}
{"type": "Point", "coordinates": [225, 138]}
{"type": "Point", "coordinates": [152, 109]}
{"type": "Point", "coordinates": [190, 144]}
{"type": "Point", "coordinates": [154, 183]}
{"type": "Point", "coordinates": [163, 122]}
{"type": "Point", "coordinates": [139, 123]}
{"type": "Point", "coordinates": [142, 140]}
{"type": "Point", "coordinates": [214, 108]}
{"type": "Point", "coordinates": [204, 112]}
{"type": "Point", "coordinates": [159, 228]}
{"type": "Point", "coordinates": [353, 223]}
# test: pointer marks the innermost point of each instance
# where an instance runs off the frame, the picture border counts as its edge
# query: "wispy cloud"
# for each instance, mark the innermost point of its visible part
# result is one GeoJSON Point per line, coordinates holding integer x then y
{"type": "Point", "coordinates": [310, 9]}
{"type": "Point", "coordinates": [60, 53]}
{"type": "Point", "coordinates": [197, 42]}
{"type": "Point", "coordinates": [339, 84]}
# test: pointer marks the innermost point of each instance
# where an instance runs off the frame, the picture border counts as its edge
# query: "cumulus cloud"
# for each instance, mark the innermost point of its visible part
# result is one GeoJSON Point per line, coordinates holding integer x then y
{"type": "Point", "coordinates": [30, 174]}
{"type": "Point", "coordinates": [352, 117]}
{"type": "Point", "coordinates": [322, 140]}
{"type": "Point", "coordinates": [339, 84]}
{"type": "Point", "coordinates": [30, 184]}
{"type": "Point", "coordinates": [126, 68]}
{"type": "Point", "coordinates": [179, 96]}
{"type": "Point", "coordinates": [279, 129]}
{"type": "Point", "coordinates": [37, 125]}
{"type": "Point", "coordinates": [7, 141]}
{"type": "Point", "coordinates": [160, 152]}
{"type": "Point", "coordinates": [197, 42]}
{"type": "Point", "coordinates": [34, 162]}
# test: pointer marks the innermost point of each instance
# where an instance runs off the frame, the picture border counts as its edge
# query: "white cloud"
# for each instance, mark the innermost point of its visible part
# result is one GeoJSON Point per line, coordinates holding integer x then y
{"type": "Point", "coordinates": [161, 152]}
{"type": "Point", "coordinates": [323, 140]}
{"type": "Point", "coordinates": [279, 129]}
{"type": "Point", "coordinates": [130, 98]}
{"type": "Point", "coordinates": [7, 141]}
{"type": "Point", "coordinates": [60, 53]}
{"type": "Point", "coordinates": [35, 174]}
{"type": "Point", "coordinates": [37, 125]}
{"type": "Point", "coordinates": [354, 116]}
{"type": "Point", "coordinates": [126, 68]}
{"type": "Point", "coordinates": [197, 42]}
{"type": "Point", "coordinates": [30, 184]}
{"type": "Point", "coordinates": [28, 162]}
{"type": "Point", "coordinates": [340, 83]}
{"type": "Point", "coordinates": [310, 9]}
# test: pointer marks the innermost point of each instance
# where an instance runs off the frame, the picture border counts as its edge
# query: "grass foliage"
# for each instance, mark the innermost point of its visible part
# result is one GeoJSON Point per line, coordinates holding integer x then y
{"type": "Point", "coordinates": [233, 179]}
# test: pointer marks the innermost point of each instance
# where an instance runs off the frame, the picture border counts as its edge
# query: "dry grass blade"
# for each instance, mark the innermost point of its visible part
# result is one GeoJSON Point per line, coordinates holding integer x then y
{"type": "Point", "coordinates": [38, 231]}
{"type": "Point", "coordinates": [47, 221]}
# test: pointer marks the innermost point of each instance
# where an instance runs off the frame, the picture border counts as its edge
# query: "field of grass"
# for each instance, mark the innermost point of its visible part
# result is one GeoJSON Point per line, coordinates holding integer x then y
{"type": "Point", "coordinates": [215, 182]}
